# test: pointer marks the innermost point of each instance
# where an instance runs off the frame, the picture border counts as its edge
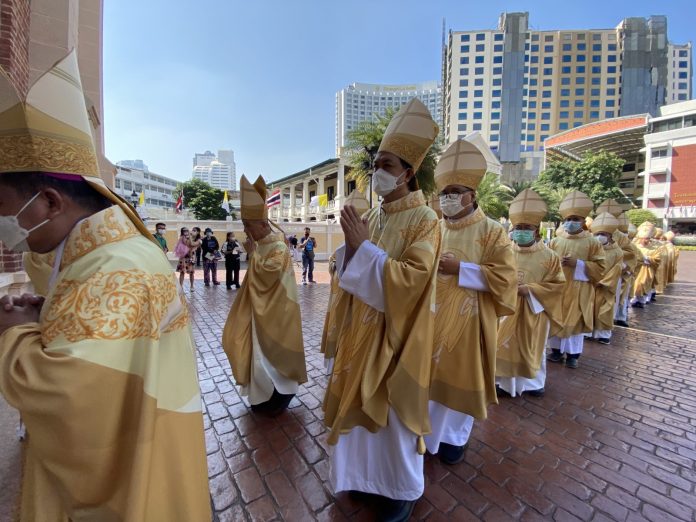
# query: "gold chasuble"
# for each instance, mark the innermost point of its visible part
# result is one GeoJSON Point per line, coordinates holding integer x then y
{"type": "Point", "coordinates": [672, 256]}
{"type": "Point", "coordinates": [578, 296]}
{"type": "Point", "coordinates": [661, 275]}
{"type": "Point", "coordinates": [606, 288]}
{"type": "Point", "coordinates": [268, 297]}
{"type": "Point", "coordinates": [631, 256]}
{"type": "Point", "coordinates": [106, 384]}
{"type": "Point", "coordinates": [645, 278]}
{"type": "Point", "coordinates": [382, 360]}
{"type": "Point", "coordinates": [522, 336]}
{"type": "Point", "coordinates": [466, 321]}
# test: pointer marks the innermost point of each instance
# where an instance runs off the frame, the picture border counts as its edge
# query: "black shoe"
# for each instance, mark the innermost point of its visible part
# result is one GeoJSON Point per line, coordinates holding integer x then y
{"type": "Point", "coordinates": [572, 363]}
{"type": "Point", "coordinates": [653, 298]}
{"type": "Point", "coordinates": [395, 510]}
{"type": "Point", "coordinates": [313, 282]}
{"type": "Point", "coordinates": [621, 323]}
{"type": "Point", "coordinates": [555, 356]}
{"type": "Point", "coordinates": [536, 393]}
{"type": "Point", "coordinates": [592, 339]}
{"type": "Point", "coordinates": [207, 284]}
{"type": "Point", "coordinates": [637, 304]}
{"type": "Point", "coordinates": [604, 340]}
{"type": "Point", "coordinates": [450, 454]}
{"type": "Point", "coordinates": [499, 392]}
{"type": "Point", "coordinates": [237, 287]}
{"type": "Point", "coordinates": [216, 283]}
{"type": "Point", "coordinates": [275, 405]}
{"type": "Point", "coordinates": [229, 287]}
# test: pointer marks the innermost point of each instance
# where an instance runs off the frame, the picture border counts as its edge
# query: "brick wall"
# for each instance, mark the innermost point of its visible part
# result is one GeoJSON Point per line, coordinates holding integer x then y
{"type": "Point", "coordinates": [14, 59]}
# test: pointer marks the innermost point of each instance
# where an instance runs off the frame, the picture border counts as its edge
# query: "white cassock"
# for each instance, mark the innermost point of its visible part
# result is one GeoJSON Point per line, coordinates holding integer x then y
{"type": "Point", "coordinates": [452, 426]}
{"type": "Point", "coordinates": [517, 385]}
{"type": "Point", "coordinates": [606, 334]}
{"type": "Point", "coordinates": [264, 377]}
{"type": "Point", "coordinates": [385, 463]}
{"type": "Point", "coordinates": [571, 345]}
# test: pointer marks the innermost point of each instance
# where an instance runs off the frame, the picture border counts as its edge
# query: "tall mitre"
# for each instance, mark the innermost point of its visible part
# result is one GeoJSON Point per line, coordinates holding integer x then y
{"type": "Point", "coordinates": [253, 198]}
{"type": "Point", "coordinates": [465, 162]}
{"type": "Point", "coordinates": [605, 222]}
{"type": "Point", "coordinates": [48, 131]}
{"type": "Point", "coordinates": [646, 230]}
{"type": "Point", "coordinates": [410, 133]}
{"type": "Point", "coordinates": [575, 204]}
{"type": "Point", "coordinates": [358, 200]}
{"type": "Point", "coordinates": [528, 207]}
{"type": "Point", "coordinates": [624, 223]}
{"type": "Point", "coordinates": [611, 206]}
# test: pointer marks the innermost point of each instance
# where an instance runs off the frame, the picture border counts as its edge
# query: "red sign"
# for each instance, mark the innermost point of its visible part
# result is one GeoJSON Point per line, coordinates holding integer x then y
{"type": "Point", "coordinates": [682, 192]}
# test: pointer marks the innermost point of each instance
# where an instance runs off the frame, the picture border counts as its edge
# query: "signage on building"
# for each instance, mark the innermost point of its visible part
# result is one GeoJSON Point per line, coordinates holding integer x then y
{"type": "Point", "coordinates": [682, 191]}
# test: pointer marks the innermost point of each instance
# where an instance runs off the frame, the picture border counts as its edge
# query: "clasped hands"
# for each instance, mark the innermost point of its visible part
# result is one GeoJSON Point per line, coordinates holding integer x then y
{"type": "Point", "coordinates": [18, 310]}
{"type": "Point", "coordinates": [570, 261]}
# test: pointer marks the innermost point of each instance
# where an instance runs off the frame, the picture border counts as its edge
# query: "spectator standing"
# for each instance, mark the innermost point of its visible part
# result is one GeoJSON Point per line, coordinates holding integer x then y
{"type": "Point", "coordinates": [196, 236]}
{"type": "Point", "coordinates": [161, 228]}
{"type": "Point", "coordinates": [231, 250]}
{"type": "Point", "coordinates": [211, 253]}
{"type": "Point", "coordinates": [184, 251]}
{"type": "Point", "coordinates": [308, 245]}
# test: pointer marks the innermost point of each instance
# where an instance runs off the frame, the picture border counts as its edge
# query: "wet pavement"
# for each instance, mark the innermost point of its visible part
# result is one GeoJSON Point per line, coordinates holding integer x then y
{"type": "Point", "coordinates": [612, 440]}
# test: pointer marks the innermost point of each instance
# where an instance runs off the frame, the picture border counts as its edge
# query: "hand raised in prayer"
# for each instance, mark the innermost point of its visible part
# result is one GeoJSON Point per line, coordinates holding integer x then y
{"type": "Point", "coordinates": [15, 311]}
{"type": "Point", "coordinates": [569, 261]}
{"type": "Point", "coordinates": [249, 245]}
{"type": "Point", "coordinates": [522, 290]}
{"type": "Point", "coordinates": [354, 227]}
{"type": "Point", "coordinates": [448, 265]}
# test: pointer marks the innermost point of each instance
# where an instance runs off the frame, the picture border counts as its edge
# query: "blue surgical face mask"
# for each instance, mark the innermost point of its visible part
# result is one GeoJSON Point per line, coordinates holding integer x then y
{"type": "Point", "coordinates": [523, 237]}
{"type": "Point", "coordinates": [572, 226]}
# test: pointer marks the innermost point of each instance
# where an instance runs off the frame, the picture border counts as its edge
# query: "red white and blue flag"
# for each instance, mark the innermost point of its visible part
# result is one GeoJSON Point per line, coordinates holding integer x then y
{"type": "Point", "coordinates": [180, 203]}
{"type": "Point", "coordinates": [274, 199]}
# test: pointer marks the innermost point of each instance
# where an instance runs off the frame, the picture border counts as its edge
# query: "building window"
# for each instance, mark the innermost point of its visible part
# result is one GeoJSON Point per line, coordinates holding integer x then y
{"type": "Point", "coordinates": [477, 127]}
{"type": "Point", "coordinates": [535, 59]}
{"type": "Point", "coordinates": [548, 59]}
{"type": "Point", "coordinates": [597, 36]}
{"type": "Point", "coordinates": [480, 48]}
{"type": "Point", "coordinates": [659, 152]}
{"type": "Point", "coordinates": [546, 105]}
{"type": "Point", "coordinates": [548, 48]}
{"type": "Point", "coordinates": [565, 92]}
{"type": "Point", "coordinates": [531, 115]}
{"type": "Point", "coordinates": [464, 48]}
{"type": "Point", "coordinates": [594, 103]}
{"type": "Point", "coordinates": [563, 125]}
{"type": "Point", "coordinates": [497, 82]}
{"type": "Point", "coordinates": [611, 58]}
{"type": "Point", "coordinates": [608, 114]}
{"type": "Point", "coordinates": [565, 70]}
{"type": "Point", "coordinates": [463, 105]}
{"type": "Point", "coordinates": [461, 127]}
{"type": "Point", "coordinates": [533, 82]}
{"type": "Point", "coordinates": [534, 71]}
{"type": "Point", "coordinates": [565, 81]}
{"type": "Point", "coordinates": [495, 93]}
{"type": "Point", "coordinates": [494, 137]}
{"type": "Point", "coordinates": [478, 82]}
{"type": "Point", "coordinates": [127, 185]}
{"type": "Point", "coordinates": [548, 83]}
{"type": "Point", "coordinates": [579, 103]}
{"type": "Point", "coordinates": [479, 59]}
{"type": "Point", "coordinates": [596, 47]}
{"type": "Point", "coordinates": [594, 115]}
{"type": "Point", "coordinates": [495, 105]}
{"type": "Point", "coordinates": [580, 69]}
{"type": "Point", "coordinates": [544, 126]}
{"type": "Point", "coordinates": [464, 71]}
{"type": "Point", "coordinates": [566, 58]}
{"type": "Point", "coordinates": [478, 93]}
{"type": "Point", "coordinates": [611, 92]}
{"type": "Point", "coordinates": [580, 58]}
{"type": "Point", "coordinates": [596, 59]}
{"type": "Point", "coordinates": [563, 114]}
{"type": "Point", "coordinates": [464, 60]}
{"type": "Point", "coordinates": [565, 103]}
{"type": "Point", "coordinates": [611, 69]}
{"type": "Point", "coordinates": [580, 81]}
{"type": "Point", "coordinates": [535, 37]}
{"type": "Point", "coordinates": [462, 115]}
{"type": "Point", "coordinates": [535, 48]}
{"type": "Point", "coordinates": [463, 94]}
{"type": "Point", "coordinates": [478, 70]}
{"type": "Point", "coordinates": [567, 47]}
{"type": "Point", "coordinates": [478, 105]}
{"type": "Point", "coordinates": [546, 94]}
{"type": "Point", "coordinates": [532, 105]}
{"type": "Point", "coordinates": [581, 46]}
{"type": "Point", "coordinates": [594, 92]}
{"type": "Point", "coordinates": [548, 38]}
{"type": "Point", "coordinates": [578, 114]}
{"type": "Point", "coordinates": [498, 48]}
{"type": "Point", "coordinates": [498, 37]}
{"type": "Point", "coordinates": [683, 75]}
{"type": "Point", "coordinates": [117, 183]}
{"type": "Point", "coordinates": [683, 54]}
{"type": "Point", "coordinates": [495, 126]}
{"type": "Point", "coordinates": [531, 127]}
{"type": "Point", "coordinates": [495, 115]}
{"type": "Point", "coordinates": [480, 37]}
{"type": "Point", "coordinates": [497, 70]}
{"type": "Point", "coordinates": [497, 59]}
{"type": "Point", "coordinates": [611, 81]}
{"type": "Point", "coordinates": [577, 124]}
{"type": "Point", "coordinates": [596, 81]}
{"type": "Point", "coordinates": [683, 64]}
{"type": "Point", "coordinates": [548, 71]}
{"type": "Point", "coordinates": [546, 116]}
{"type": "Point", "coordinates": [611, 103]}
{"type": "Point", "coordinates": [682, 97]}
{"type": "Point", "coordinates": [464, 83]}
{"type": "Point", "coordinates": [580, 92]}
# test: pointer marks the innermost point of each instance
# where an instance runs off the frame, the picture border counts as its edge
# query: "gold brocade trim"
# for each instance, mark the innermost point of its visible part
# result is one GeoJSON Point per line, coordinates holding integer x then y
{"type": "Point", "coordinates": [475, 217]}
{"type": "Point", "coordinates": [612, 246]}
{"type": "Point", "coordinates": [108, 226]}
{"type": "Point", "coordinates": [580, 235]}
{"type": "Point", "coordinates": [470, 178]}
{"type": "Point", "coordinates": [115, 305]}
{"type": "Point", "coordinates": [412, 200]}
{"type": "Point", "coordinates": [539, 245]}
{"type": "Point", "coordinates": [26, 153]}
{"type": "Point", "coordinates": [182, 318]}
{"type": "Point", "coordinates": [426, 230]}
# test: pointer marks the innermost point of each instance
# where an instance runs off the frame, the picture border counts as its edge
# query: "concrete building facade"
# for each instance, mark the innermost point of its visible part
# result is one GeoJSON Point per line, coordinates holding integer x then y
{"type": "Point", "coordinates": [519, 86]}
{"type": "Point", "coordinates": [365, 101]}
{"type": "Point", "coordinates": [218, 170]}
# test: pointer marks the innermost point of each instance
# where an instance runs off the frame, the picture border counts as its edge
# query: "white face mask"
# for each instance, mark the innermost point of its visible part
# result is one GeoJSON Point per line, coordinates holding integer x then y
{"type": "Point", "coordinates": [384, 183]}
{"type": "Point", "coordinates": [12, 234]}
{"type": "Point", "coordinates": [451, 204]}
{"type": "Point", "coordinates": [602, 239]}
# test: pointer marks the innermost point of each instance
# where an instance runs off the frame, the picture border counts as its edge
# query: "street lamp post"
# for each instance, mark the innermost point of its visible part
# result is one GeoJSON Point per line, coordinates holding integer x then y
{"type": "Point", "coordinates": [369, 166]}
{"type": "Point", "coordinates": [134, 199]}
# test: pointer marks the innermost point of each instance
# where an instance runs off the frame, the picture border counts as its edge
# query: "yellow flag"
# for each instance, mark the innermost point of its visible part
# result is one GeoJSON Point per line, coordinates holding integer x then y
{"type": "Point", "coordinates": [142, 199]}
{"type": "Point", "coordinates": [225, 202]}
{"type": "Point", "coordinates": [323, 200]}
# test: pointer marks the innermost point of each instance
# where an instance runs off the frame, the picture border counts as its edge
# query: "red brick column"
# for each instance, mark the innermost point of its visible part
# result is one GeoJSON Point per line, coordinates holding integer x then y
{"type": "Point", "coordinates": [14, 59]}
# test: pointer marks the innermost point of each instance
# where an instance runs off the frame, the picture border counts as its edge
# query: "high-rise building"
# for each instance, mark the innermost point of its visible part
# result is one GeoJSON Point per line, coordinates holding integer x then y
{"type": "Point", "coordinates": [365, 101]}
{"type": "Point", "coordinates": [132, 180]}
{"type": "Point", "coordinates": [219, 171]}
{"type": "Point", "coordinates": [137, 164]}
{"type": "Point", "coordinates": [679, 73]}
{"type": "Point", "coordinates": [518, 86]}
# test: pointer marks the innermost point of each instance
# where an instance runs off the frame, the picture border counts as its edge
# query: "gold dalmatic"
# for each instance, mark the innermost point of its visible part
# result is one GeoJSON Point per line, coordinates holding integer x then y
{"type": "Point", "coordinates": [648, 266]}
{"type": "Point", "coordinates": [466, 321]}
{"type": "Point", "coordinates": [522, 336]}
{"type": "Point", "coordinates": [269, 296]}
{"type": "Point", "coordinates": [578, 296]}
{"type": "Point", "coordinates": [382, 360]}
{"type": "Point", "coordinates": [107, 386]}
{"type": "Point", "coordinates": [631, 256]}
{"type": "Point", "coordinates": [605, 292]}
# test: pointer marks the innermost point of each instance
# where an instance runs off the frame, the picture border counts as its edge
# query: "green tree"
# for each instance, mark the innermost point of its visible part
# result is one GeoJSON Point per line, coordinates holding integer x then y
{"type": "Point", "coordinates": [204, 200]}
{"type": "Point", "coordinates": [638, 216]}
{"type": "Point", "coordinates": [493, 197]}
{"type": "Point", "coordinates": [596, 174]}
{"type": "Point", "coordinates": [519, 186]}
{"type": "Point", "coordinates": [367, 136]}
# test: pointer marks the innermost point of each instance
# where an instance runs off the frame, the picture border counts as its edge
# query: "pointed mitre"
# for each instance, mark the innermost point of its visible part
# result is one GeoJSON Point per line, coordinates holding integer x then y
{"type": "Point", "coordinates": [632, 230]}
{"type": "Point", "coordinates": [358, 200]}
{"type": "Point", "coordinates": [48, 131]}
{"type": "Point", "coordinates": [410, 133]}
{"type": "Point", "coordinates": [528, 208]}
{"type": "Point", "coordinates": [605, 222]}
{"type": "Point", "coordinates": [253, 198]}
{"type": "Point", "coordinates": [645, 230]}
{"type": "Point", "coordinates": [575, 204]}
{"type": "Point", "coordinates": [465, 162]}
{"type": "Point", "coordinates": [669, 235]}
{"type": "Point", "coordinates": [611, 206]}
{"type": "Point", "coordinates": [658, 232]}
{"type": "Point", "coordinates": [624, 223]}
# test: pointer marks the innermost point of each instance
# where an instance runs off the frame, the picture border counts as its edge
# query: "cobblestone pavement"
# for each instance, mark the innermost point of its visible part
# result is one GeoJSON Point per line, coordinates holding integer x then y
{"type": "Point", "coordinates": [613, 440]}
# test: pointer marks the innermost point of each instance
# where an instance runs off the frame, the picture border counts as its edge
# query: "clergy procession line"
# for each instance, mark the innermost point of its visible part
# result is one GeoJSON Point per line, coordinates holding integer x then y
{"type": "Point", "coordinates": [429, 320]}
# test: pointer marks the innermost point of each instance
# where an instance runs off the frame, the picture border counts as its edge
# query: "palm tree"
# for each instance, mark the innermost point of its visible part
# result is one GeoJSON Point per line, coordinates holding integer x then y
{"type": "Point", "coordinates": [493, 196]}
{"type": "Point", "coordinates": [519, 186]}
{"type": "Point", "coordinates": [362, 143]}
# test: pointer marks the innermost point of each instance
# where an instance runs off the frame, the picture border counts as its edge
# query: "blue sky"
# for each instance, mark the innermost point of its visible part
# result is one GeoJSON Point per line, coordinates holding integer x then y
{"type": "Point", "coordinates": [260, 77]}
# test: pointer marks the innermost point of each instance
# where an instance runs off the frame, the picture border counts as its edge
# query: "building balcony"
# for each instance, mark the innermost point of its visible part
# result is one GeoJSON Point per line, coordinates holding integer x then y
{"type": "Point", "coordinates": [656, 190]}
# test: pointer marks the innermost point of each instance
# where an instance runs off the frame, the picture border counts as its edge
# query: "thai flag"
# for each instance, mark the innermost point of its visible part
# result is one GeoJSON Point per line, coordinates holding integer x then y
{"type": "Point", "coordinates": [274, 199]}
{"type": "Point", "coordinates": [179, 203]}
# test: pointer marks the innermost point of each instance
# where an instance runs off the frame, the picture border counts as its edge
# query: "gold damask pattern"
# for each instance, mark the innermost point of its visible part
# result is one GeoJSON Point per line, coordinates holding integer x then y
{"type": "Point", "coordinates": [406, 149]}
{"type": "Point", "coordinates": [476, 216]}
{"type": "Point", "coordinates": [182, 318]}
{"type": "Point", "coordinates": [25, 153]}
{"type": "Point", "coordinates": [96, 232]}
{"type": "Point", "coordinates": [412, 200]}
{"type": "Point", "coordinates": [115, 305]}
{"type": "Point", "coordinates": [426, 230]}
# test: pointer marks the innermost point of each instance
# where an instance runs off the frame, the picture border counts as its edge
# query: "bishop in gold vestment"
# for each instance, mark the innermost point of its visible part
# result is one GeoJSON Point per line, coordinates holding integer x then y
{"type": "Point", "coordinates": [103, 368]}
{"type": "Point", "coordinates": [476, 285]}
{"type": "Point", "coordinates": [631, 257]}
{"type": "Point", "coordinates": [672, 256]}
{"type": "Point", "coordinates": [608, 289]}
{"type": "Point", "coordinates": [521, 358]}
{"type": "Point", "coordinates": [651, 250]}
{"type": "Point", "coordinates": [379, 328]}
{"type": "Point", "coordinates": [263, 333]}
{"type": "Point", "coordinates": [582, 259]}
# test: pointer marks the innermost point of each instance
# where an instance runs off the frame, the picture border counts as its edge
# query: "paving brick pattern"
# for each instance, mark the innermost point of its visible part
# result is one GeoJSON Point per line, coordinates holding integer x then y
{"type": "Point", "coordinates": [613, 440]}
